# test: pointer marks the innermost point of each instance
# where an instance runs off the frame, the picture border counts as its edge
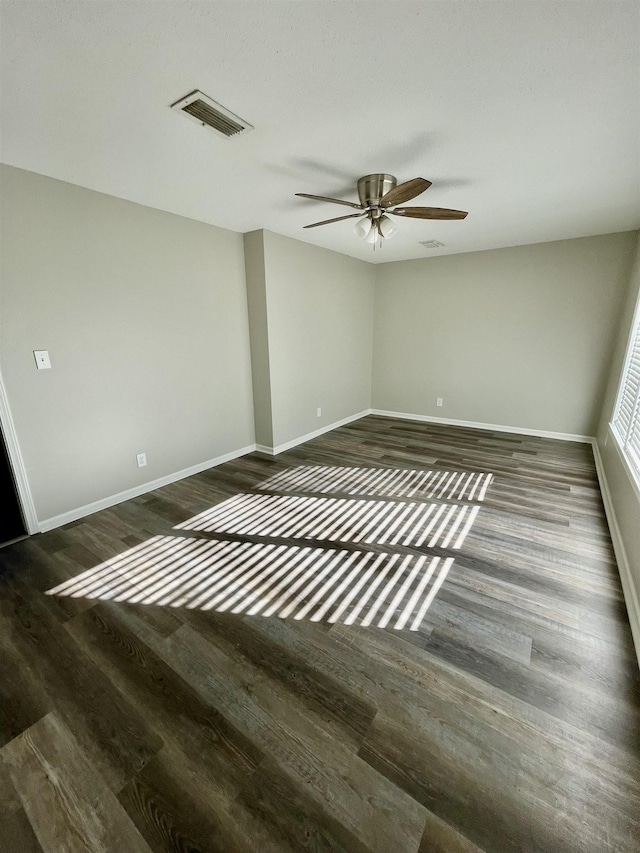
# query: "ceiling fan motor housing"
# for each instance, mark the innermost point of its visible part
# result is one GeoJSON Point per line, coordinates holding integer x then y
{"type": "Point", "coordinates": [371, 188]}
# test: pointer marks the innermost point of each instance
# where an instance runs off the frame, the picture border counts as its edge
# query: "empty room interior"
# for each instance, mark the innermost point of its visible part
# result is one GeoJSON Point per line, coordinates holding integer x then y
{"type": "Point", "coordinates": [320, 419]}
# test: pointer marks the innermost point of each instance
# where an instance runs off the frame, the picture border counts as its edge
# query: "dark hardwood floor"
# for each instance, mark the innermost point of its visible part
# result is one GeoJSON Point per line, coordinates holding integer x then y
{"type": "Point", "coordinates": [509, 720]}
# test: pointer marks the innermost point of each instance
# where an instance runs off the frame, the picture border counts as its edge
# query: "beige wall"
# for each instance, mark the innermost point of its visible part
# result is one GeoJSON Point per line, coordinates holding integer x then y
{"type": "Point", "coordinates": [624, 498]}
{"type": "Point", "coordinates": [520, 337]}
{"type": "Point", "coordinates": [320, 327]}
{"type": "Point", "coordinates": [259, 333]}
{"type": "Point", "coordinates": [145, 317]}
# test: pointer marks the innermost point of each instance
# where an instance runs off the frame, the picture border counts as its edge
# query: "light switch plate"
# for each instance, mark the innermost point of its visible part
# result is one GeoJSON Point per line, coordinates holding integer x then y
{"type": "Point", "coordinates": [43, 361]}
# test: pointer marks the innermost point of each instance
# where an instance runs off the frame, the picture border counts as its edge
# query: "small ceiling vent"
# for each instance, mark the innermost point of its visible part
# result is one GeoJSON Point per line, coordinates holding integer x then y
{"type": "Point", "coordinates": [198, 107]}
{"type": "Point", "coordinates": [431, 244]}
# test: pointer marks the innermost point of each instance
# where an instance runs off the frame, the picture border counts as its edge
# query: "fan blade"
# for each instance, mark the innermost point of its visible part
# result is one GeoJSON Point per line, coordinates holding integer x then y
{"type": "Point", "coordinates": [337, 219]}
{"type": "Point", "coordinates": [334, 200]}
{"type": "Point", "coordinates": [428, 213]}
{"type": "Point", "coordinates": [405, 192]}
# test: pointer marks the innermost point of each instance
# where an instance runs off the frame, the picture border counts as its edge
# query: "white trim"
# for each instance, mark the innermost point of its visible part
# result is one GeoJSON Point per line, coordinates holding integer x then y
{"type": "Point", "coordinates": [17, 464]}
{"type": "Point", "coordinates": [631, 597]}
{"type": "Point", "coordinates": [274, 451]}
{"type": "Point", "coordinates": [262, 448]}
{"type": "Point", "coordinates": [105, 503]}
{"type": "Point", "coordinates": [541, 433]}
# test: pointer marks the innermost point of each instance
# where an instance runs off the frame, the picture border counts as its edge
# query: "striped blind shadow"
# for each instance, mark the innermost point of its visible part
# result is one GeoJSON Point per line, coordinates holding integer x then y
{"type": "Point", "coordinates": [284, 581]}
{"type": "Point", "coordinates": [317, 583]}
{"type": "Point", "coordinates": [382, 482]}
{"type": "Point", "coordinates": [343, 520]}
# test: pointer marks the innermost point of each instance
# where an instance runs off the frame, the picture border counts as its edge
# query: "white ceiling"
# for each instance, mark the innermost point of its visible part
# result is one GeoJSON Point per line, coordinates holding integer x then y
{"type": "Point", "coordinates": [526, 114]}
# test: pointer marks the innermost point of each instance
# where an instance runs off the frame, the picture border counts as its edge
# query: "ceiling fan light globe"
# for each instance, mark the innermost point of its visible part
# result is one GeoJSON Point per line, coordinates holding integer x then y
{"type": "Point", "coordinates": [373, 235]}
{"type": "Point", "coordinates": [387, 227]}
{"type": "Point", "coordinates": [362, 227]}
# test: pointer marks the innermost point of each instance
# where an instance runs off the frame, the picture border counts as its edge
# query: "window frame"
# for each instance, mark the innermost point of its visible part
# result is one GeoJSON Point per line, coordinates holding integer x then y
{"type": "Point", "coordinates": [628, 454]}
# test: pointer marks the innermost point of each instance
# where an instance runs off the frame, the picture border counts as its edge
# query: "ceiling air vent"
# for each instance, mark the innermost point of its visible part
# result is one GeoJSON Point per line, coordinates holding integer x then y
{"type": "Point", "coordinates": [431, 244]}
{"type": "Point", "coordinates": [198, 107]}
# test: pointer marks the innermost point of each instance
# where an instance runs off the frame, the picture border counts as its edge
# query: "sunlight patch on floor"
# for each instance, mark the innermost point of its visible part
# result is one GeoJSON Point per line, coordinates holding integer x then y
{"type": "Point", "coordinates": [307, 581]}
{"type": "Point", "coordinates": [352, 587]}
{"type": "Point", "coordinates": [393, 482]}
{"type": "Point", "coordinates": [339, 520]}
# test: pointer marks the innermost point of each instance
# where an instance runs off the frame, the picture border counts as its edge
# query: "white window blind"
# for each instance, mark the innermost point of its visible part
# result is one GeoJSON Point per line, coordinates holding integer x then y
{"type": "Point", "coordinates": [626, 419]}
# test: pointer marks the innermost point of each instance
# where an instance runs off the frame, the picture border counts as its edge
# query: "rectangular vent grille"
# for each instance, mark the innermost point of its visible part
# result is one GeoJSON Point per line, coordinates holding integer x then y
{"type": "Point", "coordinates": [202, 109]}
{"type": "Point", "coordinates": [431, 244]}
{"type": "Point", "coordinates": [214, 119]}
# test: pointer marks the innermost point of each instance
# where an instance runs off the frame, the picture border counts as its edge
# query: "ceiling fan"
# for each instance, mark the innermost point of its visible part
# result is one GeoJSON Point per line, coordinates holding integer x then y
{"type": "Point", "coordinates": [380, 196]}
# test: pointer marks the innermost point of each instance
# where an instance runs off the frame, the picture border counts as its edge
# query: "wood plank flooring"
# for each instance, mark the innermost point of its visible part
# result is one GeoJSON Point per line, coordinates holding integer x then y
{"type": "Point", "coordinates": [508, 720]}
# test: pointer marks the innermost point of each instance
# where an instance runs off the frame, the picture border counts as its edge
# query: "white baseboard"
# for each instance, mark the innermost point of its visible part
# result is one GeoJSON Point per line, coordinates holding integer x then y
{"type": "Point", "coordinates": [631, 597]}
{"type": "Point", "coordinates": [430, 419]}
{"type": "Point", "coordinates": [280, 448]}
{"type": "Point", "coordinates": [263, 448]}
{"type": "Point", "coordinates": [112, 500]}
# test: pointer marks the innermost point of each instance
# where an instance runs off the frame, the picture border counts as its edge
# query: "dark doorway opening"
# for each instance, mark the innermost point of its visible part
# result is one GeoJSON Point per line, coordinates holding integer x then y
{"type": "Point", "coordinates": [12, 525]}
